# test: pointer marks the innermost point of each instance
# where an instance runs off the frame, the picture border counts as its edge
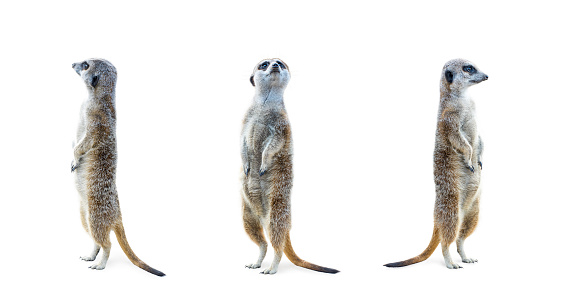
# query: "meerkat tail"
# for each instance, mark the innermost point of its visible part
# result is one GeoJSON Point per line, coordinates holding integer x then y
{"type": "Point", "coordinates": [423, 256]}
{"type": "Point", "coordinates": [290, 253]}
{"type": "Point", "coordinates": [122, 239]}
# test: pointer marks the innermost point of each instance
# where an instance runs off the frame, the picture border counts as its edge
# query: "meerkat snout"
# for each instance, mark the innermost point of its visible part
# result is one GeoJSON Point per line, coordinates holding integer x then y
{"type": "Point", "coordinates": [79, 67]}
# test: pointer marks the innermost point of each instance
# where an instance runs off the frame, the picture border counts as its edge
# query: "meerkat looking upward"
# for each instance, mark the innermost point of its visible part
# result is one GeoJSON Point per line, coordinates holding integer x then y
{"type": "Point", "coordinates": [457, 164]}
{"type": "Point", "coordinates": [267, 161]}
{"type": "Point", "coordinates": [95, 163]}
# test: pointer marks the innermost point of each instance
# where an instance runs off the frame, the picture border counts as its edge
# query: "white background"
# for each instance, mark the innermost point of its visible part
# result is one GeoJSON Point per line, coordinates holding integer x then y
{"type": "Point", "coordinates": [363, 104]}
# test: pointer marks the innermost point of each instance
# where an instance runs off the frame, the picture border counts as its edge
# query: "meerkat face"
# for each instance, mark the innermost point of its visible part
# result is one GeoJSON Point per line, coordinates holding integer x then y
{"type": "Point", "coordinates": [459, 74]}
{"type": "Point", "coordinates": [96, 73]}
{"type": "Point", "coordinates": [271, 73]}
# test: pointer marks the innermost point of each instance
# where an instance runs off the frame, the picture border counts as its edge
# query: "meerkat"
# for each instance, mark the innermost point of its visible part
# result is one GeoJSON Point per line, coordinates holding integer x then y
{"type": "Point", "coordinates": [267, 167]}
{"type": "Point", "coordinates": [95, 163]}
{"type": "Point", "coordinates": [457, 164]}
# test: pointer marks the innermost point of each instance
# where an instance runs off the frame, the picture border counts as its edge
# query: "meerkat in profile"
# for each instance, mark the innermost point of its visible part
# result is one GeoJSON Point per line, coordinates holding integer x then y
{"type": "Point", "coordinates": [457, 164]}
{"type": "Point", "coordinates": [267, 162]}
{"type": "Point", "coordinates": [95, 162]}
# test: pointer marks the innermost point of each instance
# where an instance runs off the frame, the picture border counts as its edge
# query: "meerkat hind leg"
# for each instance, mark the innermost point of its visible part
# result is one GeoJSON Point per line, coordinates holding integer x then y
{"type": "Point", "coordinates": [447, 256]}
{"type": "Point", "coordinates": [100, 265]}
{"type": "Point", "coordinates": [277, 235]}
{"type": "Point", "coordinates": [94, 253]}
{"type": "Point", "coordinates": [469, 223]}
{"type": "Point", "coordinates": [275, 264]}
{"type": "Point", "coordinates": [101, 238]}
{"type": "Point", "coordinates": [254, 229]}
{"type": "Point", "coordinates": [448, 229]}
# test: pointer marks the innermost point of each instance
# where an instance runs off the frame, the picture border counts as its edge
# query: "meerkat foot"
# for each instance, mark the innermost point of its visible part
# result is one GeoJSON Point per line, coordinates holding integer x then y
{"type": "Point", "coordinates": [453, 266]}
{"type": "Point", "coordinates": [253, 266]}
{"type": "Point", "coordinates": [87, 258]}
{"type": "Point", "coordinates": [269, 271]}
{"type": "Point", "coordinates": [98, 266]}
{"type": "Point", "coordinates": [469, 260]}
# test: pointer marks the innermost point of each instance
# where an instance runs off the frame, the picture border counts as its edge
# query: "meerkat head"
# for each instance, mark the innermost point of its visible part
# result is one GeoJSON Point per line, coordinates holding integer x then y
{"type": "Point", "coordinates": [271, 73]}
{"type": "Point", "coordinates": [459, 74]}
{"type": "Point", "coordinates": [96, 73]}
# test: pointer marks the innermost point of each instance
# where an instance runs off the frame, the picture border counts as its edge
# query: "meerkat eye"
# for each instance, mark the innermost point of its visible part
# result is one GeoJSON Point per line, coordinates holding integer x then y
{"type": "Point", "coordinates": [469, 69]}
{"type": "Point", "coordinates": [281, 65]}
{"type": "Point", "coordinates": [264, 65]}
{"type": "Point", "coordinates": [86, 66]}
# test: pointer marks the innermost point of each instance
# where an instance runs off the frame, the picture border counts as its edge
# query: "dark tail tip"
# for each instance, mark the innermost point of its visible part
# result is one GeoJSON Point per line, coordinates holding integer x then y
{"type": "Point", "coordinates": [154, 271]}
{"type": "Point", "coordinates": [395, 264]}
{"type": "Point", "coordinates": [329, 270]}
{"type": "Point", "coordinates": [322, 269]}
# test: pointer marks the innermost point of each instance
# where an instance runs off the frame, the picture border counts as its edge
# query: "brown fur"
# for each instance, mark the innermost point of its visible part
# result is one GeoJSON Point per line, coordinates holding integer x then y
{"type": "Point", "coordinates": [457, 165]}
{"type": "Point", "coordinates": [95, 163]}
{"type": "Point", "coordinates": [267, 151]}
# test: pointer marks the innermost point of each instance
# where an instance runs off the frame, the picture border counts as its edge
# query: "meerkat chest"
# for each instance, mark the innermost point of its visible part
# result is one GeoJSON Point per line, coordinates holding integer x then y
{"type": "Point", "coordinates": [257, 133]}
{"type": "Point", "coordinates": [468, 127]}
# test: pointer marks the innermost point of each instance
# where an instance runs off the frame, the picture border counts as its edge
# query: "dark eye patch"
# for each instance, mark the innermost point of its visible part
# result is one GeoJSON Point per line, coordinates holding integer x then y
{"type": "Point", "coordinates": [281, 65]}
{"type": "Point", "coordinates": [264, 66]}
{"type": "Point", "coordinates": [469, 68]}
{"type": "Point", "coordinates": [449, 76]}
{"type": "Point", "coordinates": [94, 81]}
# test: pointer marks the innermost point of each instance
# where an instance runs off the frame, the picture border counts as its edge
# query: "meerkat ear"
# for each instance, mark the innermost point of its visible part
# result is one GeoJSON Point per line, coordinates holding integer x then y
{"type": "Point", "coordinates": [94, 81]}
{"type": "Point", "coordinates": [449, 76]}
{"type": "Point", "coordinates": [252, 80]}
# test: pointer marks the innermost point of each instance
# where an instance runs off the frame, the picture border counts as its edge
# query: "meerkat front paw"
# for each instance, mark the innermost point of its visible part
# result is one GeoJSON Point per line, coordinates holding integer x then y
{"type": "Point", "coordinates": [87, 258]}
{"type": "Point", "coordinates": [73, 166]}
{"type": "Point", "coordinates": [247, 169]}
{"type": "Point", "coordinates": [468, 164]}
{"type": "Point", "coordinates": [269, 271]}
{"type": "Point", "coordinates": [263, 169]}
{"type": "Point", "coordinates": [253, 266]}
{"type": "Point", "coordinates": [469, 260]}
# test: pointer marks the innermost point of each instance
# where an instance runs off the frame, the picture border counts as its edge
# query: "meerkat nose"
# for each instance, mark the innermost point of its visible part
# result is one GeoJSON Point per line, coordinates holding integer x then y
{"type": "Point", "coordinates": [485, 77]}
{"type": "Point", "coordinates": [73, 65]}
{"type": "Point", "coordinates": [275, 65]}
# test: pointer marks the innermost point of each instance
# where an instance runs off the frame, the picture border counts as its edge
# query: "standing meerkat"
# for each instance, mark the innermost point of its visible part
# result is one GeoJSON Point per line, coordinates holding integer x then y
{"type": "Point", "coordinates": [95, 163]}
{"type": "Point", "coordinates": [457, 164]}
{"type": "Point", "coordinates": [267, 157]}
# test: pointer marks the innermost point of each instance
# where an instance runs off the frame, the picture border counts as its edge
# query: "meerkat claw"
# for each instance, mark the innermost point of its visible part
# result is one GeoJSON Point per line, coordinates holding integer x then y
{"type": "Point", "coordinates": [480, 164]}
{"type": "Point", "coordinates": [471, 168]}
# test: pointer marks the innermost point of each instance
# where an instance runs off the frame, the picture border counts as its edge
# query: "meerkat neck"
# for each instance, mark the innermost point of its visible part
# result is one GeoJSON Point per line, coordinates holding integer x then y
{"type": "Point", "coordinates": [269, 95]}
{"type": "Point", "coordinates": [101, 92]}
{"type": "Point", "coordinates": [454, 93]}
